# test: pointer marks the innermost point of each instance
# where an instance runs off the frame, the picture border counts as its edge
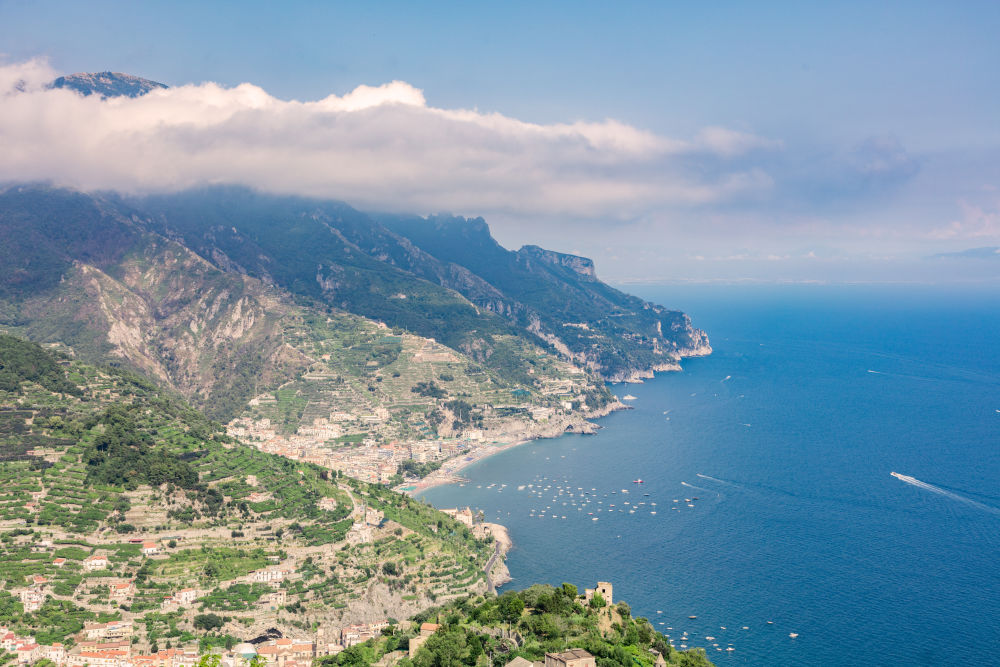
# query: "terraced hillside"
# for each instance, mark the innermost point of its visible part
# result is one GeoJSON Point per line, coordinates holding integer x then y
{"type": "Point", "coordinates": [522, 627]}
{"type": "Point", "coordinates": [119, 501]}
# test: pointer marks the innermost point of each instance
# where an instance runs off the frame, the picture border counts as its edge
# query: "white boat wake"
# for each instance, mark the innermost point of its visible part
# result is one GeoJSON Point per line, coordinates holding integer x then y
{"type": "Point", "coordinates": [948, 494]}
{"type": "Point", "coordinates": [692, 486]}
{"type": "Point", "coordinates": [720, 481]}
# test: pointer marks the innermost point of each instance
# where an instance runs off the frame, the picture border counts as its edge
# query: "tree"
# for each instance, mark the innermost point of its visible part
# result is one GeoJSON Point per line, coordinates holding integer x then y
{"type": "Point", "coordinates": [210, 660]}
{"type": "Point", "coordinates": [511, 607]}
{"type": "Point", "coordinates": [208, 622]}
{"type": "Point", "coordinates": [597, 602]}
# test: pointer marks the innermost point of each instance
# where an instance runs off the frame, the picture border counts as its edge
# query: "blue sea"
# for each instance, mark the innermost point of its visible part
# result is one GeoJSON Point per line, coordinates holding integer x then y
{"type": "Point", "coordinates": [786, 436]}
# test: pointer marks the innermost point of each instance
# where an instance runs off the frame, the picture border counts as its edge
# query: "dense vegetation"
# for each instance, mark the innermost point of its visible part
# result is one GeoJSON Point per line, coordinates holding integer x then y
{"type": "Point", "coordinates": [528, 623]}
{"type": "Point", "coordinates": [22, 362]}
{"type": "Point", "coordinates": [124, 455]}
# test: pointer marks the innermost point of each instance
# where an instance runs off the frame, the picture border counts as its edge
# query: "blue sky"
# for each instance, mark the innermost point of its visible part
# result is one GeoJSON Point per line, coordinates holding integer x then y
{"type": "Point", "coordinates": [845, 141]}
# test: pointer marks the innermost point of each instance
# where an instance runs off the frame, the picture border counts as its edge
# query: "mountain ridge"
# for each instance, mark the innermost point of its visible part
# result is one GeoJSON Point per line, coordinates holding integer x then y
{"type": "Point", "coordinates": [107, 84]}
{"type": "Point", "coordinates": [442, 278]}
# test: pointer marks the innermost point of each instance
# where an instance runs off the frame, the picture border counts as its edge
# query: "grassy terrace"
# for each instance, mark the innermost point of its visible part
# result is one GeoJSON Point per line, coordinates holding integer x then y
{"type": "Point", "coordinates": [361, 367]}
{"type": "Point", "coordinates": [84, 473]}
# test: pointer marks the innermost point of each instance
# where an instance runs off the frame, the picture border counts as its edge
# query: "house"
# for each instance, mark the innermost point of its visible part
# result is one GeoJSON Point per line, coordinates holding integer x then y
{"type": "Point", "coordinates": [107, 646]}
{"type": "Point", "coordinates": [521, 662]}
{"type": "Point", "coordinates": [95, 562]}
{"type": "Point", "coordinates": [122, 591]}
{"type": "Point", "coordinates": [102, 658]}
{"type": "Point", "coordinates": [27, 653]}
{"type": "Point", "coordinates": [360, 533]}
{"type": "Point", "coordinates": [186, 596]}
{"type": "Point", "coordinates": [287, 652]}
{"type": "Point", "coordinates": [357, 633]}
{"type": "Point", "coordinates": [172, 657]}
{"type": "Point", "coordinates": [604, 588]}
{"type": "Point", "coordinates": [32, 599]}
{"type": "Point", "coordinates": [462, 516]}
{"type": "Point", "coordinates": [269, 576]}
{"type": "Point", "coordinates": [56, 653]}
{"type": "Point", "coordinates": [59, 562]}
{"type": "Point", "coordinates": [276, 599]}
{"type": "Point", "coordinates": [574, 657]}
{"type": "Point", "coordinates": [113, 630]}
{"type": "Point", "coordinates": [150, 549]}
{"type": "Point", "coordinates": [9, 641]}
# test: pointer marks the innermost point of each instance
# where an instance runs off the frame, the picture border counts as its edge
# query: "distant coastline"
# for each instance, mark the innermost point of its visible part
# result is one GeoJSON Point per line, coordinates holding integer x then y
{"type": "Point", "coordinates": [449, 472]}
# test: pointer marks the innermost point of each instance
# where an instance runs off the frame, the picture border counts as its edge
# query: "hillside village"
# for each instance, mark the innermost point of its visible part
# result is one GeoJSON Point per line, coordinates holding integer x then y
{"type": "Point", "coordinates": [101, 568]}
{"type": "Point", "coordinates": [410, 399]}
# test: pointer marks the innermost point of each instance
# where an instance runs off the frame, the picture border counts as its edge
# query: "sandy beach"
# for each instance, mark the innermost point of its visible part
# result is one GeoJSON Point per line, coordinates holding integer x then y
{"type": "Point", "coordinates": [529, 432]}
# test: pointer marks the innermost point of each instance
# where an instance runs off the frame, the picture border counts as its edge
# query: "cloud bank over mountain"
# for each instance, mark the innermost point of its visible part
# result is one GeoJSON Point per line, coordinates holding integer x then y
{"type": "Point", "coordinates": [377, 146]}
{"type": "Point", "coordinates": [719, 202]}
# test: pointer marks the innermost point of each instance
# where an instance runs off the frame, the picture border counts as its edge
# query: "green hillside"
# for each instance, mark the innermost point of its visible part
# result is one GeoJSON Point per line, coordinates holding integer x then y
{"type": "Point", "coordinates": [528, 624]}
{"type": "Point", "coordinates": [96, 461]}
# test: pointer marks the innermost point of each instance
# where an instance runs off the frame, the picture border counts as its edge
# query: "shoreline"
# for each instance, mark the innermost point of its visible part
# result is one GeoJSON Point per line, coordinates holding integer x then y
{"type": "Point", "coordinates": [449, 474]}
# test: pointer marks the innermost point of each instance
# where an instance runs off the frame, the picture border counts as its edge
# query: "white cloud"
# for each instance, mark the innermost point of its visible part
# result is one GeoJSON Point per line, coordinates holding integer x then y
{"type": "Point", "coordinates": [380, 146]}
{"type": "Point", "coordinates": [976, 222]}
{"type": "Point", "coordinates": [30, 75]}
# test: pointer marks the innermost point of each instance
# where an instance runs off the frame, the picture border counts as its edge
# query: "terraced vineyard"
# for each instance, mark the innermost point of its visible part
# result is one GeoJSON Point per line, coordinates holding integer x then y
{"type": "Point", "coordinates": [369, 386]}
{"type": "Point", "coordinates": [116, 497]}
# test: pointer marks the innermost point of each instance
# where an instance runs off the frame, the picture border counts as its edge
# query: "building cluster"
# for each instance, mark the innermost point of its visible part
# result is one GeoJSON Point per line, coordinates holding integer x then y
{"type": "Point", "coordinates": [377, 444]}
{"type": "Point", "coordinates": [110, 645]}
{"type": "Point", "coordinates": [369, 461]}
{"type": "Point", "coordinates": [359, 633]}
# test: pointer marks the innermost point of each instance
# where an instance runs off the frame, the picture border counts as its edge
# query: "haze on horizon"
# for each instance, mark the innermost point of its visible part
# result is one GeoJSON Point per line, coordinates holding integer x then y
{"type": "Point", "coordinates": [775, 143]}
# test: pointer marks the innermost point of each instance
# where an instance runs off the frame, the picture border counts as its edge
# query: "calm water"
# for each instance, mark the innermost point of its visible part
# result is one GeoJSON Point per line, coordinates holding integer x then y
{"type": "Point", "coordinates": [787, 435]}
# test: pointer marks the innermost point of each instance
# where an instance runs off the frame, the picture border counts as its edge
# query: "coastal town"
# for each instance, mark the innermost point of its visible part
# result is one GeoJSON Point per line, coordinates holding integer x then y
{"type": "Point", "coordinates": [109, 588]}
{"type": "Point", "coordinates": [421, 419]}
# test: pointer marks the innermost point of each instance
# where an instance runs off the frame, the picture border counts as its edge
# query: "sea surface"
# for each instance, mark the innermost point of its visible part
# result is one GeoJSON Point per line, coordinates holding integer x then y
{"type": "Point", "coordinates": [786, 436]}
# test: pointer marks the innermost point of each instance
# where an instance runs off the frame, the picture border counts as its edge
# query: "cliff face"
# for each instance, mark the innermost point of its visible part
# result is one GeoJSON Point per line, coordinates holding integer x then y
{"type": "Point", "coordinates": [583, 267]}
{"type": "Point", "coordinates": [213, 337]}
{"type": "Point", "coordinates": [559, 298]}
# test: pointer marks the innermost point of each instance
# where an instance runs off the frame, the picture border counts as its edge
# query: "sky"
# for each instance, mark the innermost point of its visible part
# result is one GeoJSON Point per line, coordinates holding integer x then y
{"type": "Point", "coordinates": [798, 142]}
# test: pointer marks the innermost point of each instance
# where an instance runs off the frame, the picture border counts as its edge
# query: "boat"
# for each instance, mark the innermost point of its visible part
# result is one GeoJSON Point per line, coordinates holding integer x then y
{"type": "Point", "coordinates": [629, 397]}
{"type": "Point", "coordinates": [638, 481]}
